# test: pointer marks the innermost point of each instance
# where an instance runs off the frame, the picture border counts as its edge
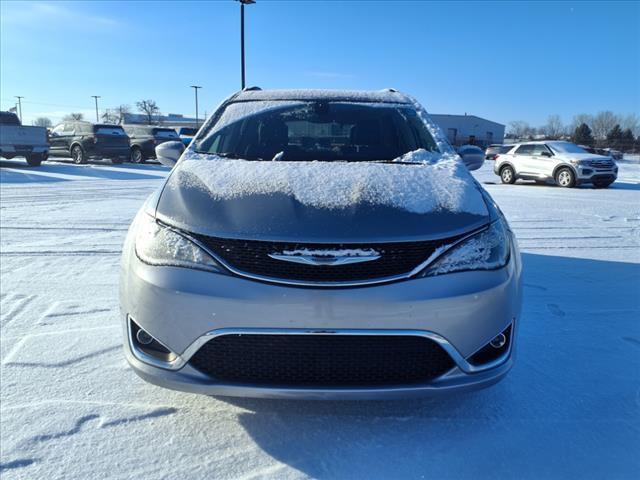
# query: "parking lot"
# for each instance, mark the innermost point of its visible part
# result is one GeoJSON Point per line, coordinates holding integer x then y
{"type": "Point", "coordinates": [71, 407]}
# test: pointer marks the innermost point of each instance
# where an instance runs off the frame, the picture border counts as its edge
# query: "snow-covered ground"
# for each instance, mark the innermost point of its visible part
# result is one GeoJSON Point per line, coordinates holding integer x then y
{"type": "Point", "coordinates": [71, 408]}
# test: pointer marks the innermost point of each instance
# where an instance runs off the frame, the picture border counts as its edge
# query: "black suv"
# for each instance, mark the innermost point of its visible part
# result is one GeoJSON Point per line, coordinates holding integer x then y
{"type": "Point", "coordinates": [144, 140]}
{"type": "Point", "coordinates": [84, 140]}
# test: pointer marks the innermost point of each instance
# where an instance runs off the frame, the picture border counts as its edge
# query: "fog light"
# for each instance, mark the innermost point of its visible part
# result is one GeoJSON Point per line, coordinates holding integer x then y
{"type": "Point", "coordinates": [497, 342]}
{"type": "Point", "coordinates": [143, 342]}
{"type": "Point", "coordinates": [143, 337]}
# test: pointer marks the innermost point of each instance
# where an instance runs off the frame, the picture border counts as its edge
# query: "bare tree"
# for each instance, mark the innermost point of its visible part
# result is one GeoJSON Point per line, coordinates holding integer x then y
{"type": "Point", "coordinates": [602, 124]}
{"type": "Point", "coordinates": [74, 117]}
{"type": "Point", "coordinates": [554, 128]}
{"type": "Point", "coordinates": [109, 116]}
{"type": "Point", "coordinates": [149, 108]}
{"type": "Point", "coordinates": [632, 123]}
{"type": "Point", "coordinates": [43, 122]}
{"type": "Point", "coordinates": [122, 111]}
{"type": "Point", "coordinates": [519, 129]}
{"type": "Point", "coordinates": [115, 115]}
{"type": "Point", "coordinates": [579, 119]}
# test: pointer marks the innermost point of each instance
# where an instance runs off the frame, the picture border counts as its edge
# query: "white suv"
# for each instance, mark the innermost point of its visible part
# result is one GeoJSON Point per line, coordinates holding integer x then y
{"type": "Point", "coordinates": [563, 162]}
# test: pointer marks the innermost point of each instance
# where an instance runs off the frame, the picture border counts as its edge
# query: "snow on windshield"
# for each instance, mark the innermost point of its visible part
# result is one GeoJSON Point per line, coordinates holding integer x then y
{"type": "Point", "coordinates": [436, 182]}
{"type": "Point", "coordinates": [239, 110]}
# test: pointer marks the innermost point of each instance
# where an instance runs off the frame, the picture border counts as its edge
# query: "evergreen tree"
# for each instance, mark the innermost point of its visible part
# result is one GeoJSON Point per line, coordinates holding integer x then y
{"type": "Point", "coordinates": [582, 135]}
{"type": "Point", "coordinates": [627, 140]}
{"type": "Point", "coordinates": [614, 137]}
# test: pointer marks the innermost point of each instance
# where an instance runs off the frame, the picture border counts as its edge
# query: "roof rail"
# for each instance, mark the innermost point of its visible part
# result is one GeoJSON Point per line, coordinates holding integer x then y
{"type": "Point", "coordinates": [251, 89]}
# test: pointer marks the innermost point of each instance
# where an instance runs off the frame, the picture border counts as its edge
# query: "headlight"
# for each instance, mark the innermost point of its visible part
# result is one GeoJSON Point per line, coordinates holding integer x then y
{"type": "Point", "coordinates": [583, 163]}
{"type": "Point", "coordinates": [486, 250]}
{"type": "Point", "coordinates": [159, 245]}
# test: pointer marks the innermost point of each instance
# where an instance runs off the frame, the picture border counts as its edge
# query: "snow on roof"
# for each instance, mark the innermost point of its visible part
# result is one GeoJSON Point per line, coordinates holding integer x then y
{"type": "Point", "coordinates": [387, 95]}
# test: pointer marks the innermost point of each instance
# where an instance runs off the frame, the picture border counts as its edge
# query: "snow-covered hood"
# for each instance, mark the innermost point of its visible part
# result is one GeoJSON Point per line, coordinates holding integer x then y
{"type": "Point", "coordinates": [434, 196]}
{"type": "Point", "coordinates": [584, 156]}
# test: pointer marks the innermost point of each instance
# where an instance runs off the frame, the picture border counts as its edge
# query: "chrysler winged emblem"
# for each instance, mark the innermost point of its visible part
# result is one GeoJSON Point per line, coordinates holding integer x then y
{"type": "Point", "coordinates": [329, 258]}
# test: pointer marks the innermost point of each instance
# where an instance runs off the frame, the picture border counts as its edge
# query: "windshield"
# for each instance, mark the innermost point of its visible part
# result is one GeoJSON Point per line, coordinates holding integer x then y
{"type": "Point", "coordinates": [566, 147]}
{"type": "Point", "coordinates": [324, 131]}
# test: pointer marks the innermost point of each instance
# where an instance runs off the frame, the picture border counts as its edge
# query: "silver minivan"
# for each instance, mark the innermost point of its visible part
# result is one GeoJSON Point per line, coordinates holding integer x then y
{"type": "Point", "coordinates": [319, 244]}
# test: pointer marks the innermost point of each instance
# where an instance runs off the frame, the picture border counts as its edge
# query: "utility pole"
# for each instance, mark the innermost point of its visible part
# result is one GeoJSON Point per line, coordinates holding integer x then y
{"type": "Point", "coordinates": [20, 105]}
{"type": "Point", "coordinates": [242, 4]}
{"type": "Point", "coordinates": [96, 97]}
{"type": "Point", "coordinates": [196, 87]}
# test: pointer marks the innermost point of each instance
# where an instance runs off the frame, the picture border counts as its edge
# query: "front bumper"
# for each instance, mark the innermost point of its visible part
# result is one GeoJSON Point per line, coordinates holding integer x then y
{"type": "Point", "coordinates": [589, 174]}
{"type": "Point", "coordinates": [185, 308]}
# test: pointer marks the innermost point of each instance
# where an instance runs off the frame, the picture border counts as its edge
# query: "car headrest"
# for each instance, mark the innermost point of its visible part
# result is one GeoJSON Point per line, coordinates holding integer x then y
{"type": "Point", "coordinates": [273, 133]}
{"type": "Point", "coordinates": [366, 133]}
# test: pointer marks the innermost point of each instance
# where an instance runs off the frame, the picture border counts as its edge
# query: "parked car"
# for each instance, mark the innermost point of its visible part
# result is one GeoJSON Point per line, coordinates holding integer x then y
{"type": "Point", "coordinates": [607, 152]}
{"type": "Point", "coordinates": [494, 150]}
{"type": "Point", "coordinates": [186, 134]}
{"type": "Point", "coordinates": [17, 140]}
{"type": "Point", "coordinates": [564, 163]}
{"type": "Point", "coordinates": [84, 140]}
{"type": "Point", "coordinates": [613, 153]}
{"type": "Point", "coordinates": [472, 155]}
{"type": "Point", "coordinates": [144, 140]}
{"type": "Point", "coordinates": [319, 244]}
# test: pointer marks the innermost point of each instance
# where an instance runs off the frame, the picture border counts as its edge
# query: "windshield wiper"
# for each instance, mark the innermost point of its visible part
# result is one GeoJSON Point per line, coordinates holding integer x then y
{"type": "Point", "coordinates": [237, 156]}
{"type": "Point", "coordinates": [398, 162]}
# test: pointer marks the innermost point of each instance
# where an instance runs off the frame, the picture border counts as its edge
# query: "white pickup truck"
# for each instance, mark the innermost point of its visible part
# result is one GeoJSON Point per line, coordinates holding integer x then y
{"type": "Point", "coordinates": [21, 141]}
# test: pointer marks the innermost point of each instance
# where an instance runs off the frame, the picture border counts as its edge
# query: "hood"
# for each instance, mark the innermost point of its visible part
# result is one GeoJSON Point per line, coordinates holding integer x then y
{"type": "Point", "coordinates": [587, 156]}
{"type": "Point", "coordinates": [323, 202]}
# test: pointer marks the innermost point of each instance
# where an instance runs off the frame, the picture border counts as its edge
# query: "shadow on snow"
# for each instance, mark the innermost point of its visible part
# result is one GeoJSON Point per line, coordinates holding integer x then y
{"type": "Point", "coordinates": [20, 172]}
{"type": "Point", "coordinates": [569, 408]}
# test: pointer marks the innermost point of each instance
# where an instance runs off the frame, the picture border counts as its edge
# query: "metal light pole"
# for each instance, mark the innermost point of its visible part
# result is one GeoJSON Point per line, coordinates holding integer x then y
{"type": "Point", "coordinates": [20, 106]}
{"type": "Point", "coordinates": [242, 4]}
{"type": "Point", "coordinates": [96, 97]}
{"type": "Point", "coordinates": [196, 87]}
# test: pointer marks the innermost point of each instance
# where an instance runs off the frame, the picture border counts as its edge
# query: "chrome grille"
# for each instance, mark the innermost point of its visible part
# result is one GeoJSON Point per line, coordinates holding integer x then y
{"type": "Point", "coordinates": [253, 258]}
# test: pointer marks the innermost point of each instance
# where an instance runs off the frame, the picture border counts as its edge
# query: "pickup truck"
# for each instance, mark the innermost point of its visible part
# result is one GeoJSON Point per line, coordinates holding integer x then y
{"type": "Point", "coordinates": [17, 140]}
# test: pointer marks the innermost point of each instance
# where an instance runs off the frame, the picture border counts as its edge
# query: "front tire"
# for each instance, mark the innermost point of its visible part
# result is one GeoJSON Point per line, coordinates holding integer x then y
{"type": "Point", "coordinates": [136, 155]}
{"type": "Point", "coordinates": [507, 175]}
{"type": "Point", "coordinates": [77, 154]}
{"type": "Point", "coordinates": [566, 178]}
{"type": "Point", "coordinates": [34, 160]}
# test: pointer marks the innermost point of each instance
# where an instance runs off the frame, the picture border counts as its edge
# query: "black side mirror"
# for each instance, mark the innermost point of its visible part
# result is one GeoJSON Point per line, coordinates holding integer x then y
{"type": "Point", "coordinates": [545, 154]}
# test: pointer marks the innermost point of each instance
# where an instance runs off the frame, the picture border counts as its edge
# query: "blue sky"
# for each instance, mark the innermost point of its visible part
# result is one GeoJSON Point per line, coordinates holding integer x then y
{"type": "Point", "coordinates": [503, 61]}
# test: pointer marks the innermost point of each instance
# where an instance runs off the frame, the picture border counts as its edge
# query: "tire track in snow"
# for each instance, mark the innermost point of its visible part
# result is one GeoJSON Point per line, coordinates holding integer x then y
{"type": "Point", "coordinates": [17, 304]}
{"type": "Point", "coordinates": [19, 463]}
{"type": "Point", "coordinates": [63, 363]}
{"type": "Point", "coordinates": [84, 420]}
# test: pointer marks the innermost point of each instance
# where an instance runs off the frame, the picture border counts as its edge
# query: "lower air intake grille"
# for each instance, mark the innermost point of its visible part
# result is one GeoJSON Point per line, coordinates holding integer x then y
{"type": "Point", "coordinates": [322, 360]}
